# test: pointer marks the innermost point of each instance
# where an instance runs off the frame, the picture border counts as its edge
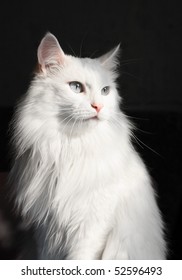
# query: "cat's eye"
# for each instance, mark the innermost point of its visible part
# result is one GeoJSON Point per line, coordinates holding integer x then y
{"type": "Point", "coordinates": [77, 87]}
{"type": "Point", "coordinates": [105, 90]}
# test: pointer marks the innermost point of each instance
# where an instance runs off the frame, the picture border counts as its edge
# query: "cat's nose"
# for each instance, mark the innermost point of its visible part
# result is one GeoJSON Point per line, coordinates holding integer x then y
{"type": "Point", "coordinates": [97, 107]}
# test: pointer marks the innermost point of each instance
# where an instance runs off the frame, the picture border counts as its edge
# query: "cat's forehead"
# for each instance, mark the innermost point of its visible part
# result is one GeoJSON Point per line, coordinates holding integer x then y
{"type": "Point", "coordinates": [87, 69]}
{"type": "Point", "coordinates": [87, 64]}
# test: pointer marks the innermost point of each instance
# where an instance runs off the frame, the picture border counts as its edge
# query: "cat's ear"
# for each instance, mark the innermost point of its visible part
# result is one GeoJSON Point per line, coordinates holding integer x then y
{"type": "Point", "coordinates": [49, 52]}
{"type": "Point", "coordinates": [110, 60]}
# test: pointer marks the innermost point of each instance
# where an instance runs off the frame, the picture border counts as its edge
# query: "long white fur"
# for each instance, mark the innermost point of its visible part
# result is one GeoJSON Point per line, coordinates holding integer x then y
{"type": "Point", "coordinates": [78, 179]}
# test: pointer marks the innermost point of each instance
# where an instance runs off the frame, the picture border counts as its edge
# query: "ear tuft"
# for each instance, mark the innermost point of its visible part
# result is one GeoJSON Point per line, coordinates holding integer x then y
{"type": "Point", "coordinates": [110, 60]}
{"type": "Point", "coordinates": [49, 52]}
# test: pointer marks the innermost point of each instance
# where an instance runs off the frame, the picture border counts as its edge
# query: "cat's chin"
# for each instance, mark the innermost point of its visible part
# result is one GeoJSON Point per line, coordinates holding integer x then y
{"type": "Point", "coordinates": [88, 123]}
{"type": "Point", "coordinates": [89, 119]}
{"type": "Point", "coordinates": [93, 120]}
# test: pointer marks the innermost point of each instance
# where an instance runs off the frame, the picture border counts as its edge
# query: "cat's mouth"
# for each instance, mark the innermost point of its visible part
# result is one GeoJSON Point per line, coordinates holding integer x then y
{"type": "Point", "coordinates": [95, 118]}
{"type": "Point", "coordinates": [91, 118]}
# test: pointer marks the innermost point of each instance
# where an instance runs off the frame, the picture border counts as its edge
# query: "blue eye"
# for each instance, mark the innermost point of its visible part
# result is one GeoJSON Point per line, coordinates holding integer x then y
{"type": "Point", "coordinates": [105, 90]}
{"type": "Point", "coordinates": [77, 87]}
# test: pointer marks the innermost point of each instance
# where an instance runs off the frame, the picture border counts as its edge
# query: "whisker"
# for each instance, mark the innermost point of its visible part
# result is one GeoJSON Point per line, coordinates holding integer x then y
{"type": "Point", "coordinates": [131, 75]}
{"type": "Point", "coordinates": [69, 119]}
{"type": "Point", "coordinates": [129, 61]}
{"type": "Point", "coordinates": [144, 131]}
{"type": "Point", "coordinates": [80, 121]}
{"type": "Point", "coordinates": [81, 45]}
{"type": "Point", "coordinates": [71, 131]}
{"type": "Point", "coordinates": [116, 122]}
{"type": "Point", "coordinates": [66, 109]}
{"type": "Point", "coordinates": [93, 53]}
{"type": "Point", "coordinates": [63, 109]}
{"type": "Point", "coordinates": [138, 140]}
{"type": "Point", "coordinates": [136, 118]}
{"type": "Point", "coordinates": [71, 49]}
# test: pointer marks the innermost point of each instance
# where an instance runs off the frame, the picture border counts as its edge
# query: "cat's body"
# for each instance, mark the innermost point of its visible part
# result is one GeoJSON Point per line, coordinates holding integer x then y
{"type": "Point", "coordinates": [78, 177]}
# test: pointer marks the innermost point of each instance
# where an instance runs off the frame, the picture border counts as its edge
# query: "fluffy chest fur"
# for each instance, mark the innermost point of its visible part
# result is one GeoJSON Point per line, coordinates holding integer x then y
{"type": "Point", "coordinates": [62, 169]}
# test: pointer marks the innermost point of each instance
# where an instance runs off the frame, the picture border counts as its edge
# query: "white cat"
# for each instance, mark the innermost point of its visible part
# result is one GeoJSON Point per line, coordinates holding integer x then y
{"type": "Point", "coordinates": [77, 175]}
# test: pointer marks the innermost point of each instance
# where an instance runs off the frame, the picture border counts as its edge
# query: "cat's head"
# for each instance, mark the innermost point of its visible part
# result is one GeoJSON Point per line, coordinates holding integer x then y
{"type": "Point", "coordinates": [82, 90]}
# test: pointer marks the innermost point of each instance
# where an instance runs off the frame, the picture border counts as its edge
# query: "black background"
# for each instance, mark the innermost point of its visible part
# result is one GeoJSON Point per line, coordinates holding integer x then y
{"type": "Point", "coordinates": [150, 34]}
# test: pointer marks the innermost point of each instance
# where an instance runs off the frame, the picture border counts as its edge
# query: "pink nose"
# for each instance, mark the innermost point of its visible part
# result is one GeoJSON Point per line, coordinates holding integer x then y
{"type": "Point", "coordinates": [97, 107]}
